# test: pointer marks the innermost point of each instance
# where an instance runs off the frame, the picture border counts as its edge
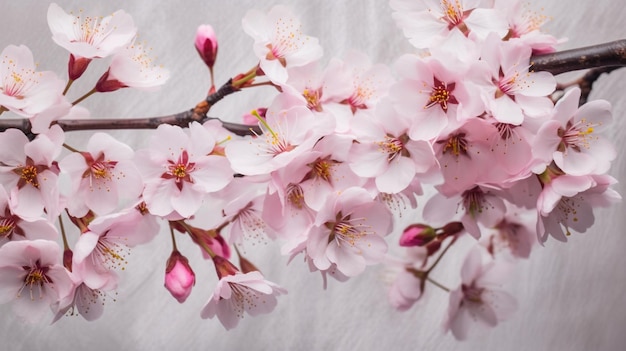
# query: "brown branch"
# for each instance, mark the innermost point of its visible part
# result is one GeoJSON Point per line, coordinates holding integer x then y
{"type": "Point", "coordinates": [602, 55]}
{"type": "Point", "coordinates": [182, 119]}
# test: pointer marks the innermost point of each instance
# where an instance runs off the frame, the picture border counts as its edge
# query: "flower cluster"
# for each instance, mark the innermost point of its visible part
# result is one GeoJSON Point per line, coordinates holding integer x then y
{"type": "Point", "coordinates": [340, 153]}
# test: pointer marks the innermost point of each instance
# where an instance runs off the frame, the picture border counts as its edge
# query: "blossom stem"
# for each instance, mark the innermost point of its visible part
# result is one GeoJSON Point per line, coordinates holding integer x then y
{"type": "Point", "coordinates": [80, 99]}
{"type": "Point", "coordinates": [196, 239]}
{"type": "Point", "coordinates": [67, 86]}
{"type": "Point", "coordinates": [250, 75]}
{"type": "Point", "coordinates": [3, 109]}
{"type": "Point", "coordinates": [173, 239]}
{"type": "Point", "coordinates": [437, 284]}
{"type": "Point", "coordinates": [441, 255]}
{"type": "Point", "coordinates": [70, 148]}
{"type": "Point", "coordinates": [65, 244]}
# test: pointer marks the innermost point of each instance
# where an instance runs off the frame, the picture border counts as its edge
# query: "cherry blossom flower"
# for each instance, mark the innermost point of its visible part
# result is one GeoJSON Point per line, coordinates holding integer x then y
{"type": "Point", "coordinates": [525, 26]}
{"type": "Point", "coordinates": [29, 169]}
{"type": "Point", "coordinates": [386, 153]}
{"type": "Point", "coordinates": [240, 293]}
{"type": "Point", "coordinates": [573, 138]}
{"type": "Point", "coordinates": [279, 42]}
{"type": "Point", "coordinates": [22, 89]}
{"type": "Point", "coordinates": [14, 227]}
{"type": "Point", "coordinates": [32, 277]}
{"type": "Point", "coordinates": [180, 170]}
{"type": "Point", "coordinates": [425, 23]}
{"type": "Point", "coordinates": [513, 236]}
{"type": "Point", "coordinates": [105, 245]}
{"type": "Point", "coordinates": [132, 67]}
{"type": "Point", "coordinates": [408, 285]}
{"type": "Point", "coordinates": [566, 202]}
{"type": "Point", "coordinates": [476, 205]}
{"type": "Point", "coordinates": [87, 297]}
{"type": "Point", "coordinates": [513, 91]}
{"type": "Point", "coordinates": [90, 37]}
{"type": "Point", "coordinates": [101, 176]}
{"type": "Point", "coordinates": [287, 134]}
{"type": "Point", "coordinates": [349, 233]}
{"type": "Point", "coordinates": [433, 93]}
{"type": "Point", "coordinates": [479, 302]}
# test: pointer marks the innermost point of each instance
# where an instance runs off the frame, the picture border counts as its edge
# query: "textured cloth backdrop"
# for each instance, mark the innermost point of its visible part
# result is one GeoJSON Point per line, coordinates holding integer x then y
{"type": "Point", "coordinates": [571, 296]}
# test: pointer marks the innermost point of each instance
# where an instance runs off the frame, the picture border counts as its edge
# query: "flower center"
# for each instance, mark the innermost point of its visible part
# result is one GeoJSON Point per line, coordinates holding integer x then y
{"type": "Point", "coordinates": [392, 146]}
{"type": "Point", "coordinates": [456, 144]}
{"type": "Point", "coordinates": [180, 170]}
{"type": "Point", "coordinates": [29, 175]}
{"type": "Point", "coordinates": [35, 278]}
{"type": "Point", "coordinates": [347, 230]}
{"type": "Point", "coordinates": [441, 94]}
{"type": "Point", "coordinates": [577, 136]}
{"type": "Point", "coordinates": [312, 97]}
{"type": "Point", "coordinates": [295, 195]}
{"type": "Point", "coordinates": [472, 293]}
{"type": "Point", "coordinates": [7, 227]}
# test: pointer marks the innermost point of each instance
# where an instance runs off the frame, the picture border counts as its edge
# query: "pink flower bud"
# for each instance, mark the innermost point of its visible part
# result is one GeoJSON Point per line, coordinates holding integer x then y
{"type": "Point", "coordinates": [417, 235]}
{"type": "Point", "coordinates": [179, 277]}
{"type": "Point", "coordinates": [206, 44]}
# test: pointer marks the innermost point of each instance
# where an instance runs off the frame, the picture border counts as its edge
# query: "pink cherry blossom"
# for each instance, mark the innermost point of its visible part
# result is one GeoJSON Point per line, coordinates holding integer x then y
{"type": "Point", "coordinates": [88, 297]}
{"type": "Point", "coordinates": [513, 236]}
{"type": "Point", "coordinates": [573, 138]}
{"type": "Point", "coordinates": [22, 89]}
{"type": "Point", "coordinates": [525, 26]}
{"type": "Point", "coordinates": [427, 22]}
{"type": "Point", "coordinates": [513, 91]}
{"type": "Point", "coordinates": [29, 169]}
{"type": "Point", "coordinates": [349, 233]}
{"type": "Point", "coordinates": [101, 176]}
{"type": "Point", "coordinates": [90, 36]}
{"type": "Point", "coordinates": [287, 134]}
{"type": "Point", "coordinates": [241, 293]}
{"type": "Point", "coordinates": [479, 302]}
{"type": "Point", "coordinates": [433, 93]}
{"type": "Point", "coordinates": [14, 227]}
{"type": "Point", "coordinates": [566, 202]}
{"type": "Point", "coordinates": [104, 247]}
{"type": "Point", "coordinates": [32, 277]}
{"type": "Point", "coordinates": [386, 153]}
{"type": "Point", "coordinates": [180, 170]}
{"type": "Point", "coordinates": [132, 67]}
{"type": "Point", "coordinates": [279, 42]}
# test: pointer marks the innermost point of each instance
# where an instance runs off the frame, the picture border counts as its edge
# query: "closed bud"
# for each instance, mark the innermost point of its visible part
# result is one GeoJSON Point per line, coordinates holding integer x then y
{"type": "Point", "coordinates": [206, 44]}
{"type": "Point", "coordinates": [179, 277]}
{"type": "Point", "coordinates": [417, 235]}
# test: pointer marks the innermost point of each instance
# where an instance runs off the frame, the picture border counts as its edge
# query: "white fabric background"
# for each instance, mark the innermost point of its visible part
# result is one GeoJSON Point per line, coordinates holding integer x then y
{"type": "Point", "coordinates": [571, 296]}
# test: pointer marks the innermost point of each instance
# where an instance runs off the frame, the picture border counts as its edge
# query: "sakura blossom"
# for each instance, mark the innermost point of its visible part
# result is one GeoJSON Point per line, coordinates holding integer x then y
{"type": "Point", "coordinates": [573, 138]}
{"type": "Point", "coordinates": [90, 36]}
{"type": "Point", "coordinates": [479, 302]}
{"type": "Point", "coordinates": [29, 170]}
{"type": "Point", "coordinates": [241, 293]}
{"type": "Point", "coordinates": [180, 170]}
{"type": "Point", "coordinates": [101, 176]}
{"type": "Point", "coordinates": [132, 67]}
{"type": "Point", "coordinates": [279, 42]}
{"type": "Point", "coordinates": [24, 90]}
{"type": "Point", "coordinates": [33, 278]}
{"type": "Point", "coordinates": [179, 277]}
{"type": "Point", "coordinates": [426, 22]}
{"type": "Point", "coordinates": [349, 233]}
{"type": "Point", "coordinates": [206, 44]}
